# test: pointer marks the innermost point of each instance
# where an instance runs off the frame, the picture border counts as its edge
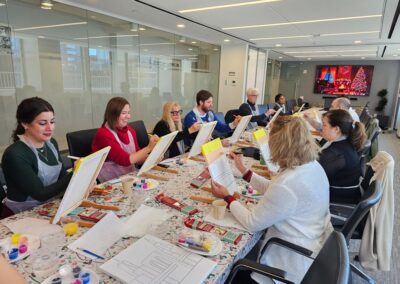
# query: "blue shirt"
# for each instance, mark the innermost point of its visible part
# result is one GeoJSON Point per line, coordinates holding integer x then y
{"type": "Point", "coordinates": [221, 126]}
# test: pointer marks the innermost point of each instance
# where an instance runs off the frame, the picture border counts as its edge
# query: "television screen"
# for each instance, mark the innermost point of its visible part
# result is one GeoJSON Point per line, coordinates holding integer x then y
{"type": "Point", "coordinates": [349, 80]}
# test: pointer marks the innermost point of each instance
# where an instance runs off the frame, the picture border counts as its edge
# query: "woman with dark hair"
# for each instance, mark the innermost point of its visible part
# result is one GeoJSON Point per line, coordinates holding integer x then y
{"type": "Point", "coordinates": [116, 132]}
{"type": "Point", "coordinates": [339, 156]}
{"type": "Point", "coordinates": [32, 165]}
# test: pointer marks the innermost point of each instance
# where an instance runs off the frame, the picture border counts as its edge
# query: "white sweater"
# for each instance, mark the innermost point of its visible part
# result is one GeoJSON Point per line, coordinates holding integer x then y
{"type": "Point", "coordinates": [295, 207]}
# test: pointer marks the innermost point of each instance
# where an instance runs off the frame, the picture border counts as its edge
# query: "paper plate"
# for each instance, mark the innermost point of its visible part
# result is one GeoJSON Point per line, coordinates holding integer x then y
{"type": "Point", "coordinates": [94, 278]}
{"type": "Point", "coordinates": [151, 183]}
{"type": "Point", "coordinates": [33, 244]}
{"type": "Point", "coordinates": [217, 248]}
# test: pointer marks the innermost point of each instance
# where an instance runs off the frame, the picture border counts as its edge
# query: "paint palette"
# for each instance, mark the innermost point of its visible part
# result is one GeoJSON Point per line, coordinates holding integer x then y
{"type": "Point", "coordinates": [87, 274]}
{"type": "Point", "coordinates": [145, 184]}
{"type": "Point", "coordinates": [249, 191]}
{"type": "Point", "coordinates": [19, 246]}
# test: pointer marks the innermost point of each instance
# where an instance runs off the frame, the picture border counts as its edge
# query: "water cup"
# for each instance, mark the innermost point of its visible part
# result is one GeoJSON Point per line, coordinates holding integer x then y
{"type": "Point", "coordinates": [219, 208]}
{"type": "Point", "coordinates": [127, 185]}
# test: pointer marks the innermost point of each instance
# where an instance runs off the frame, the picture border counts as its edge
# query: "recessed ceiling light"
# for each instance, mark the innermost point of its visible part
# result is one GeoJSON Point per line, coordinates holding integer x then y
{"type": "Point", "coordinates": [91, 37]}
{"type": "Point", "coordinates": [215, 49]}
{"type": "Point", "coordinates": [194, 42]}
{"type": "Point", "coordinates": [99, 46]}
{"type": "Point", "coordinates": [334, 51]}
{"type": "Point", "coordinates": [352, 33]}
{"type": "Point", "coordinates": [302, 56]}
{"type": "Point", "coordinates": [41, 37]}
{"type": "Point", "coordinates": [280, 57]}
{"type": "Point", "coordinates": [156, 43]}
{"type": "Point", "coordinates": [180, 25]}
{"type": "Point", "coordinates": [351, 55]}
{"type": "Point", "coordinates": [50, 26]}
{"type": "Point", "coordinates": [278, 45]}
{"type": "Point", "coordinates": [93, 17]}
{"type": "Point", "coordinates": [395, 55]}
{"type": "Point", "coordinates": [142, 29]}
{"type": "Point", "coordinates": [303, 22]}
{"type": "Point", "coordinates": [227, 40]}
{"type": "Point", "coordinates": [190, 49]}
{"type": "Point", "coordinates": [182, 40]}
{"type": "Point", "coordinates": [145, 50]}
{"type": "Point", "coordinates": [226, 6]}
{"type": "Point", "coordinates": [363, 57]}
{"type": "Point", "coordinates": [2, 4]}
{"type": "Point", "coordinates": [357, 41]}
{"type": "Point", "coordinates": [46, 4]}
{"type": "Point", "coordinates": [309, 58]}
{"type": "Point", "coordinates": [279, 37]}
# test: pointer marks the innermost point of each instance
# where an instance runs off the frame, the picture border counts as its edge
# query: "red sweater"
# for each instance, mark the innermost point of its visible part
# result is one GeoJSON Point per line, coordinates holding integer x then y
{"type": "Point", "coordinates": [104, 138]}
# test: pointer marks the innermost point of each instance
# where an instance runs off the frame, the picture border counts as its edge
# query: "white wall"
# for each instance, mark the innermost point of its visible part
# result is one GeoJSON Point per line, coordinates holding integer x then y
{"type": "Point", "coordinates": [233, 68]}
{"type": "Point", "coordinates": [386, 76]}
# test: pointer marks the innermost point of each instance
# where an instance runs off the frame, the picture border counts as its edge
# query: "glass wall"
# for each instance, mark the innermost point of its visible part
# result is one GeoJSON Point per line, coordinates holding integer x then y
{"type": "Point", "coordinates": [78, 60]}
{"type": "Point", "coordinates": [256, 66]}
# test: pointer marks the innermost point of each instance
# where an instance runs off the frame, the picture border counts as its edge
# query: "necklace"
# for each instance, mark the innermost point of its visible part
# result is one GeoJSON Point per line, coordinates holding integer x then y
{"type": "Point", "coordinates": [43, 152]}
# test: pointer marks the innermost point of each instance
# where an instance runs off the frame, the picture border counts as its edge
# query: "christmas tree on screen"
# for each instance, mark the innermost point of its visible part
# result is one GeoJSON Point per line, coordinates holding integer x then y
{"type": "Point", "coordinates": [359, 84]}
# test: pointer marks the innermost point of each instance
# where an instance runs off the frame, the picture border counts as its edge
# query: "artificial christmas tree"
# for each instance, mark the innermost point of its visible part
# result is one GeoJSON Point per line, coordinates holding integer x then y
{"type": "Point", "coordinates": [359, 84]}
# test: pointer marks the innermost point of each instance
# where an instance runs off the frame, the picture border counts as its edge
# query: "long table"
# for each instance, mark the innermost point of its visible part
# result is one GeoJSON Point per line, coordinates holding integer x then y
{"type": "Point", "coordinates": [177, 187]}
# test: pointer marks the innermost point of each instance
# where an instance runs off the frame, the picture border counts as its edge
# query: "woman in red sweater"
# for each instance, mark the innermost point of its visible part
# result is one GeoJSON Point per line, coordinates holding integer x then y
{"type": "Point", "coordinates": [116, 132]}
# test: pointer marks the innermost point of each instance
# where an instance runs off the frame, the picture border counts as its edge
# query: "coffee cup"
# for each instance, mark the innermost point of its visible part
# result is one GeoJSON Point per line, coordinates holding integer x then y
{"type": "Point", "coordinates": [127, 185]}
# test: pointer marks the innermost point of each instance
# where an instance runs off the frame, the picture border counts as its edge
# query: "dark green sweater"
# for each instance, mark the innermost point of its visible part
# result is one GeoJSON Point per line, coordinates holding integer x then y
{"type": "Point", "coordinates": [20, 169]}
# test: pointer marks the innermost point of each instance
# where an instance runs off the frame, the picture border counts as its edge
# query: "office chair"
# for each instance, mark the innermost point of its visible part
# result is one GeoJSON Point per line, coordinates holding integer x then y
{"type": "Point", "coordinates": [331, 266]}
{"type": "Point", "coordinates": [220, 115]}
{"type": "Point", "coordinates": [230, 115]}
{"type": "Point", "coordinates": [141, 133]}
{"type": "Point", "coordinates": [364, 153]}
{"type": "Point", "coordinates": [80, 142]}
{"type": "Point", "coordinates": [262, 108]}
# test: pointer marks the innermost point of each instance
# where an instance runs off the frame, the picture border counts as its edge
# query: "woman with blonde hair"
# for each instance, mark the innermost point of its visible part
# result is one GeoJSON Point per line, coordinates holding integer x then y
{"type": "Point", "coordinates": [171, 121]}
{"type": "Point", "coordinates": [295, 205]}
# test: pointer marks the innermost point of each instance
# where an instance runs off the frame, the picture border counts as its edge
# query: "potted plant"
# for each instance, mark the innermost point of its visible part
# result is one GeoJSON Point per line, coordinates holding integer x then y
{"type": "Point", "coordinates": [383, 119]}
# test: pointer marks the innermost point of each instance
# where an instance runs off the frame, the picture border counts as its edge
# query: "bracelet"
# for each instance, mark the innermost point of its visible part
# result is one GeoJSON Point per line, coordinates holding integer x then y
{"type": "Point", "coordinates": [229, 199]}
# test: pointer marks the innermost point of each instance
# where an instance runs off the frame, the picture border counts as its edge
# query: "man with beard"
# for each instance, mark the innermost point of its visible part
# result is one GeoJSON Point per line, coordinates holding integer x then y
{"type": "Point", "coordinates": [202, 113]}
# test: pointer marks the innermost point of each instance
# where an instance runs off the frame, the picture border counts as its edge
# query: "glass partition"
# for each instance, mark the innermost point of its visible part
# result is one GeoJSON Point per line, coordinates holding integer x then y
{"type": "Point", "coordinates": [77, 60]}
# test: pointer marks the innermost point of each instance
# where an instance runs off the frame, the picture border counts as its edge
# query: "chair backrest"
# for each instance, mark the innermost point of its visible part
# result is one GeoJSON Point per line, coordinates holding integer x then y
{"type": "Point", "coordinates": [290, 104]}
{"type": "Point", "coordinates": [220, 115]}
{"type": "Point", "coordinates": [371, 197]}
{"type": "Point", "coordinates": [299, 102]}
{"type": "Point", "coordinates": [364, 154]}
{"type": "Point", "coordinates": [141, 132]}
{"type": "Point", "coordinates": [80, 142]}
{"type": "Point", "coordinates": [262, 108]}
{"type": "Point", "coordinates": [332, 264]}
{"type": "Point", "coordinates": [230, 115]}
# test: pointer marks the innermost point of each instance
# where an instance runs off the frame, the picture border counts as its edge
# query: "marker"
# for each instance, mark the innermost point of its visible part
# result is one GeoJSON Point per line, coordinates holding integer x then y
{"type": "Point", "coordinates": [91, 253]}
{"type": "Point", "coordinates": [73, 157]}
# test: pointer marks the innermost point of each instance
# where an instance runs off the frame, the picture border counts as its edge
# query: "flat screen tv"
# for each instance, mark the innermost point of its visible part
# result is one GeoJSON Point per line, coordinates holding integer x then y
{"type": "Point", "coordinates": [349, 80]}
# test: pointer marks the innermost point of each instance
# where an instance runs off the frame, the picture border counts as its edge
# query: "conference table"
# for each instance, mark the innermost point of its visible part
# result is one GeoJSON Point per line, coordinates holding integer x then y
{"type": "Point", "coordinates": [178, 187]}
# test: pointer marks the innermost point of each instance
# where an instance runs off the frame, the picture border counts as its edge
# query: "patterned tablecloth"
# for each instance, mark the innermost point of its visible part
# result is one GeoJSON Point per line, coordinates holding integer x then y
{"type": "Point", "coordinates": [177, 187]}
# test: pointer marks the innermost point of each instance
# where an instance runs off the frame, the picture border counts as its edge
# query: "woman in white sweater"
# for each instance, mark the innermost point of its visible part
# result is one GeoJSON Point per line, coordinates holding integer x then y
{"type": "Point", "coordinates": [295, 205]}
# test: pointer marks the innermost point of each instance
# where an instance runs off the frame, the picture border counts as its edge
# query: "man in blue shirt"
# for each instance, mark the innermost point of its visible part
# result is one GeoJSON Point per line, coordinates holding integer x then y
{"type": "Point", "coordinates": [202, 113]}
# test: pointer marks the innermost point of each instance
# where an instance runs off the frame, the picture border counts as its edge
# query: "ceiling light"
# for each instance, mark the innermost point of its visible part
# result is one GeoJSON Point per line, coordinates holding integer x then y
{"type": "Point", "coordinates": [334, 51]}
{"type": "Point", "coordinates": [156, 43]}
{"type": "Point", "coordinates": [280, 57]}
{"type": "Point", "coordinates": [50, 26]}
{"type": "Point", "coordinates": [46, 4]}
{"type": "Point", "coordinates": [180, 25]}
{"type": "Point", "coordinates": [363, 57]}
{"type": "Point", "coordinates": [227, 6]}
{"type": "Point", "coordinates": [142, 29]}
{"type": "Point", "coordinates": [227, 40]}
{"type": "Point", "coordinates": [190, 49]}
{"type": "Point", "coordinates": [353, 33]}
{"type": "Point", "coordinates": [2, 4]}
{"type": "Point", "coordinates": [303, 22]}
{"type": "Point", "coordinates": [182, 39]}
{"type": "Point", "coordinates": [357, 41]}
{"type": "Point", "coordinates": [395, 55]}
{"type": "Point", "coordinates": [350, 55]}
{"type": "Point", "coordinates": [94, 37]}
{"type": "Point", "coordinates": [41, 37]}
{"type": "Point", "coordinates": [145, 50]}
{"type": "Point", "coordinates": [194, 42]}
{"type": "Point", "coordinates": [215, 49]}
{"type": "Point", "coordinates": [134, 27]}
{"type": "Point", "coordinates": [278, 45]}
{"type": "Point", "coordinates": [303, 56]}
{"type": "Point", "coordinates": [309, 58]}
{"type": "Point", "coordinates": [280, 37]}
{"type": "Point", "coordinates": [99, 46]}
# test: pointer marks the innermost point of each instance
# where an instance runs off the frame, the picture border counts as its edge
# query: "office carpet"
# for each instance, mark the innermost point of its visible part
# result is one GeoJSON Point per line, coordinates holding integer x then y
{"type": "Point", "coordinates": [390, 143]}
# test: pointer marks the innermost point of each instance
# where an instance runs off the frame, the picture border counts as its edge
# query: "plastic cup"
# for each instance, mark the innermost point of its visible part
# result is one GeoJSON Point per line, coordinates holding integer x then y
{"type": "Point", "coordinates": [219, 208]}
{"type": "Point", "coordinates": [127, 185]}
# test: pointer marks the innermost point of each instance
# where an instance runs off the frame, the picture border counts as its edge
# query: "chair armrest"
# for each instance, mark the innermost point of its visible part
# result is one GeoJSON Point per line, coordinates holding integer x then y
{"type": "Point", "coordinates": [296, 248]}
{"type": "Point", "coordinates": [342, 210]}
{"type": "Point", "coordinates": [250, 265]}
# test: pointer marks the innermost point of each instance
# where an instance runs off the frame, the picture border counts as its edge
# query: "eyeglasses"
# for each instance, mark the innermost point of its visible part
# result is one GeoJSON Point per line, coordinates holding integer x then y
{"type": "Point", "coordinates": [176, 112]}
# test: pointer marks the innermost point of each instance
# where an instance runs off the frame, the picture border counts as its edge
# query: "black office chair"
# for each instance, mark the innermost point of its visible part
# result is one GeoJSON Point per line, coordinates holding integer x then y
{"type": "Point", "coordinates": [141, 133]}
{"type": "Point", "coordinates": [230, 115]}
{"type": "Point", "coordinates": [355, 218]}
{"type": "Point", "coordinates": [363, 153]}
{"type": "Point", "coordinates": [80, 142]}
{"type": "Point", "coordinates": [290, 104]}
{"type": "Point", "coordinates": [363, 114]}
{"type": "Point", "coordinates": [331, 266]}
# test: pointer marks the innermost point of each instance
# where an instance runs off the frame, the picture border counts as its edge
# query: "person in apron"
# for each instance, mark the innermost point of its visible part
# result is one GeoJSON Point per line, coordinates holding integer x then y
{"type": "Point", "coordinates": [32, 165]}
{"type": "Point", "coordinates": [116, 133]}
{"type": "Point", "coordinates": [250, 107]}
{"type": "Point", "coordinates": [171, 121]}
